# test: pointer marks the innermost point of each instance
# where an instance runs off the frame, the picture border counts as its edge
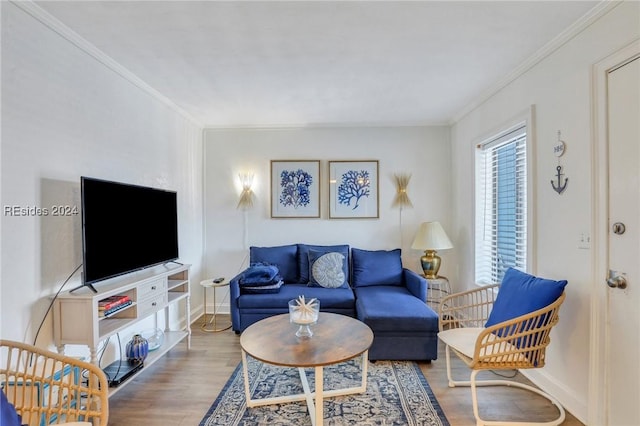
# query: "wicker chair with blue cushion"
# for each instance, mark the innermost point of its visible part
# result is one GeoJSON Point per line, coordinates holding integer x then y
{"type": "Point", "coordinates": [46, 388]}
{"type": "Point", "coordinates": [502, 327]}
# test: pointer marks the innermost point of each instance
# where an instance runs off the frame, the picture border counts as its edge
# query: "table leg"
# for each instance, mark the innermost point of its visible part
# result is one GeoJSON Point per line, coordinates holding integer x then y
{"type": "Point", "coordinates": [319, 397]}
{"type": "Point", "coordinates": [245, 373]}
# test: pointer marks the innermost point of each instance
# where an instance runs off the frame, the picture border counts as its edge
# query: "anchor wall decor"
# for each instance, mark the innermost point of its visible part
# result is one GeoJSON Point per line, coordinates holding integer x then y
{"type": "Point", "coordinates": [561, 186]}
{"type": "Point", "coordinates": [558, 151]}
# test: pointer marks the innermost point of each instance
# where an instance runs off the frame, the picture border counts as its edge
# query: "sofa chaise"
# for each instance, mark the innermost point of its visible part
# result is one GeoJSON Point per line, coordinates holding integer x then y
{"type": "Point", "coordinates": [371, 286]}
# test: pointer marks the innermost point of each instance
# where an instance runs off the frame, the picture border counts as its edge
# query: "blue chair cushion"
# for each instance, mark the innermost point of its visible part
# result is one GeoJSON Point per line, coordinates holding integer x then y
{"type": "Point", "coordinates": [8, 414]}
{"type": "Point", "coordinates": [327, 270]}
{"type": "Point", "coordinates": [284, 257]}
{"type": "Point", "coordinates": [521, 293]}
{"type": "Point", "coordinates": [303, 259]}
{"type": "Point", "coordinates": [380, 267]}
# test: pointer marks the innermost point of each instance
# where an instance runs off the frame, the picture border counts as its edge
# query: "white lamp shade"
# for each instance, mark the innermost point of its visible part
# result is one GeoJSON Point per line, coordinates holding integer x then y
{"type": "Point", "coordinates": [431, 236]}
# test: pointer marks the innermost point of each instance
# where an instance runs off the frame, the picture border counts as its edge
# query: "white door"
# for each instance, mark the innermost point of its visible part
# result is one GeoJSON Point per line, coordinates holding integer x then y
{"type": "Point", "coordinates": [623, 383]}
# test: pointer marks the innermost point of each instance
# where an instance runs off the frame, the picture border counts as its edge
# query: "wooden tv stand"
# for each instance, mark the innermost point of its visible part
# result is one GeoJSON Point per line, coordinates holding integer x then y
{"type": "Point", "coordinates": [76, 317]}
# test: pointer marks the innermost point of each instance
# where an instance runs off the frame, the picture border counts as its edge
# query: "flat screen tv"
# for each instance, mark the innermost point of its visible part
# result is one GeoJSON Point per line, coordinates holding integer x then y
{"type": "Point", "coordinates": [125, 228]}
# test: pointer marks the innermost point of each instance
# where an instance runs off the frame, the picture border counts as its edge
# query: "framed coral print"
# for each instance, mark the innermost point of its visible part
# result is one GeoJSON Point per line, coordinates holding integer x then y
{"type": "Point", "coordinates": [295, 188]}
{"type": "Point", "coordinates": [353, 189]}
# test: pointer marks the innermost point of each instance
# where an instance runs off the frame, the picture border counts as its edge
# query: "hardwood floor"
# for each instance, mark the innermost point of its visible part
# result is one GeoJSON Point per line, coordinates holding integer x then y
{"type": "Point", "coordinates": [181, 386]}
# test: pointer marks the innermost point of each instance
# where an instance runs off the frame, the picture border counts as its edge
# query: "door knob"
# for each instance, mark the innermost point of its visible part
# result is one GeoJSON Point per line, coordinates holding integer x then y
{"type": "Point", "coordinates": [619, 228]}
{"type": "Point", "coordinates": [616, 281]}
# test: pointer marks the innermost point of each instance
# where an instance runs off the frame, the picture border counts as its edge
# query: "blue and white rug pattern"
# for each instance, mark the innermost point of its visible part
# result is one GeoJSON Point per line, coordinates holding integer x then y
{"type": "Point", "coordinates": [397, 395]}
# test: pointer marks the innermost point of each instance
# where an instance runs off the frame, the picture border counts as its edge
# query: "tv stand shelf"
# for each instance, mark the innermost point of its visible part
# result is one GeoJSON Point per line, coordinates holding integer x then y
{"type": "Point", "coordinates": [160, 288]}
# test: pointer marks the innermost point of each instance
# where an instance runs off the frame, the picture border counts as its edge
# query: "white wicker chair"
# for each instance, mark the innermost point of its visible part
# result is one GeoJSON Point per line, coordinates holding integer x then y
{"type": "Point", "coordinates": [515, 344]}
{"type": "Point", "coordinates": [49, 388]}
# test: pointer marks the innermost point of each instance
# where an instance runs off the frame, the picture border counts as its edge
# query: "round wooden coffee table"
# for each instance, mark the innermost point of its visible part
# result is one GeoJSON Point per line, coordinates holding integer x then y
{"type": "Point", "coordinates": [336, 338]}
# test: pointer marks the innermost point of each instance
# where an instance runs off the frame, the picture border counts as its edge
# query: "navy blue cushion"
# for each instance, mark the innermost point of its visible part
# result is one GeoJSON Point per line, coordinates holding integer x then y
{"type": "Point", "coordinates": [285, 257]}
{"type": "Point", "coordinates": [521, 293]}
{"type": "Point", "coordinates": [8, 414]}
{"type": "Point", "coordinates": [378, 267]}
{"type": "Point", "coordinates": [330, 298]}
{"type": "Point", "coordinates": [303, 258]}
{"type": "Point", "coordinates": [394, 309]}
{"type": "Point", "coordinates": [327, 270]}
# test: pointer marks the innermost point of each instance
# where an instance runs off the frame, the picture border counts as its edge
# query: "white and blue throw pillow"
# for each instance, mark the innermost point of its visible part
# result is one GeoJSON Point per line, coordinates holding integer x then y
{"type": "Point", "coordinates": [327, 269]}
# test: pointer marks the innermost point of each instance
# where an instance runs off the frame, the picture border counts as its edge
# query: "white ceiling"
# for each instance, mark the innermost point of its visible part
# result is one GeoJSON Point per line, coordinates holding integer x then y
{"type": "Point", "coordinates": [266, 63]}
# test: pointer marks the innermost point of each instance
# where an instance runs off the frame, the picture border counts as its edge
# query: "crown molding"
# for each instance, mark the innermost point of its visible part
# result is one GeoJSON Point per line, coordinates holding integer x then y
{"type": "Point", "coordinates": [327, 125]}
{"type": "Point", "coordinates": [81, 43]}
{"type": "Point", "coordinates": [560, 40]}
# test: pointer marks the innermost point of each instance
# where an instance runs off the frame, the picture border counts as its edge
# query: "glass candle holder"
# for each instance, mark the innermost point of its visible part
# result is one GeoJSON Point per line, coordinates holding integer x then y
{"type": "Point", "coordinates": [304, 314]}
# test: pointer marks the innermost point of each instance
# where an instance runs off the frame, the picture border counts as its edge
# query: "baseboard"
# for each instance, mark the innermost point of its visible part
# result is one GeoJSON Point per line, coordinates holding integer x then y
{"type": "Point", "coordinates": [564, 395]}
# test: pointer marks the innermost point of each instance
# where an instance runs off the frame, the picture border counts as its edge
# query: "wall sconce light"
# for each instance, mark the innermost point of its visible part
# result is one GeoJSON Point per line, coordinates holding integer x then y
{"type": "Point", "coordinates": [246, 196]}
{"type": "Point", "coordinates": [402, 198]}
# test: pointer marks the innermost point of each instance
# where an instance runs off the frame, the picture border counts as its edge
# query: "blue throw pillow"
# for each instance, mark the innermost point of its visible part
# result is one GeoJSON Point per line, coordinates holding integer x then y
{"type": "Point", "coordinates": [327, 269]}
{"type": "Point", "coordinates": [521, 293]}
{"type": "Point", "coordinates": [380, 267]}
{"type": "Point", "coordinates": [8, 414]}
{"type": "Point", "coordinates": [303, 258]}
{"type": "Point", "coordinates": [285, 257]}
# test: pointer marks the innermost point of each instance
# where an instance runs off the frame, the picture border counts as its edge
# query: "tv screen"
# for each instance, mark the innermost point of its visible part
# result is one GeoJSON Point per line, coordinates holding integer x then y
{"type": "Point", "coordinates": [125, 228]}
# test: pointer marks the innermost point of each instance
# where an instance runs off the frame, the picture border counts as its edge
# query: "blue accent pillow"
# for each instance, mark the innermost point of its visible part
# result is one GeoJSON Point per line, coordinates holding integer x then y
{"type": "Point", "coordinates": [303, 259]}
{"type": "Point", "coordinates": [8, 414]}
{"type": "Point", "coordinates": [285, 257]}
{"type": "Point", "coordinates": [379, 267]}
{"type": "Point", "coordinates": [327, 270]}
{"type": "Point", "coordinates": [521, 293]}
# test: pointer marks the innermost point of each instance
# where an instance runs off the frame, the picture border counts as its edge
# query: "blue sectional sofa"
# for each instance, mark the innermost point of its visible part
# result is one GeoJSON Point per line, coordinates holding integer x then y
{"type": "Point", "coordinates": [369, 285]}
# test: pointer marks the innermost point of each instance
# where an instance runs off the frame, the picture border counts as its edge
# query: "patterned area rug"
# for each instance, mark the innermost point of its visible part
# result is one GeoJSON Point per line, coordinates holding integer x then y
{"type": "Point", "coordinates": [397, 394]}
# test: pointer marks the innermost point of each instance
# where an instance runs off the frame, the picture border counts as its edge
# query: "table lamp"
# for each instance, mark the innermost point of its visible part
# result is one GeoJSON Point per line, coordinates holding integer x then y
{"type": "Point", "coordinates": [431, 237]}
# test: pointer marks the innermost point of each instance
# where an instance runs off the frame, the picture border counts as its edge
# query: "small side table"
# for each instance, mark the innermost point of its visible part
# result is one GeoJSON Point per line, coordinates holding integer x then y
{"type": "Point", "coordinates": [437, 289]}
{"type": "Point", "coordinates": [211, 326]}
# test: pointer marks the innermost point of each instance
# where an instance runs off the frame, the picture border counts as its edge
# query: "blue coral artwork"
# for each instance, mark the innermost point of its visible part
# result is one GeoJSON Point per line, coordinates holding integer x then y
{"type": "Point", "coordinates": [295, 188]}
{"type": "Point", "coordinates": [353, 189]}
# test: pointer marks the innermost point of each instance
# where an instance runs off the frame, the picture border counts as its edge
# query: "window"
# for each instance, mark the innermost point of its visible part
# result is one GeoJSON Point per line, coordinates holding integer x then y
{"type": "Point", "coordinates": [501, 205]}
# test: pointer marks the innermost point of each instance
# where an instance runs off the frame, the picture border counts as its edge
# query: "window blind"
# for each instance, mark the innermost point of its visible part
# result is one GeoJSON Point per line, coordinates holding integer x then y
{"type": "Point", "coordinates": [501, 206]}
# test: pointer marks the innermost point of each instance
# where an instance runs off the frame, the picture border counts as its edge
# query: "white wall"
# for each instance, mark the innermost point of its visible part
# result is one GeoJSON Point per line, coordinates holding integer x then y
{"type": "Point", "coordinates": [64, 115]}
{"type": "Point", "coordinates": [559, 87]}
{"type": "Point", "coordinates": [421, 151]}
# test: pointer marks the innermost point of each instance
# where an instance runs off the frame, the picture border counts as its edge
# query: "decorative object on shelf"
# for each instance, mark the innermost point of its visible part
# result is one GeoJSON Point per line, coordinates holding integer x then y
{"type": "Point", "coordinates": [137, 349]}
{"type": "Point", "coordinates": [246, 196]}
{"type": "Point", "coordinates": [353, 189]}
{"type": "Point", "coordinates": [155, 338]}
{"type": "Point", "coordinates": [431, 237]}
{"type": "Point", "coordinates": [295, 189]}
{"type": "Point", "coordinates": [304, 314]}
{"type": "Point", "coordinates": [558, 150]}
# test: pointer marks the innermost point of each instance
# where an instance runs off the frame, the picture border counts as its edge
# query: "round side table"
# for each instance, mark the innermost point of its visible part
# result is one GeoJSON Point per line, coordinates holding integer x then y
{"type": "Point", "coordinates": [438, 288]}
{"type": "Point", "coordinates": [211, 326]}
